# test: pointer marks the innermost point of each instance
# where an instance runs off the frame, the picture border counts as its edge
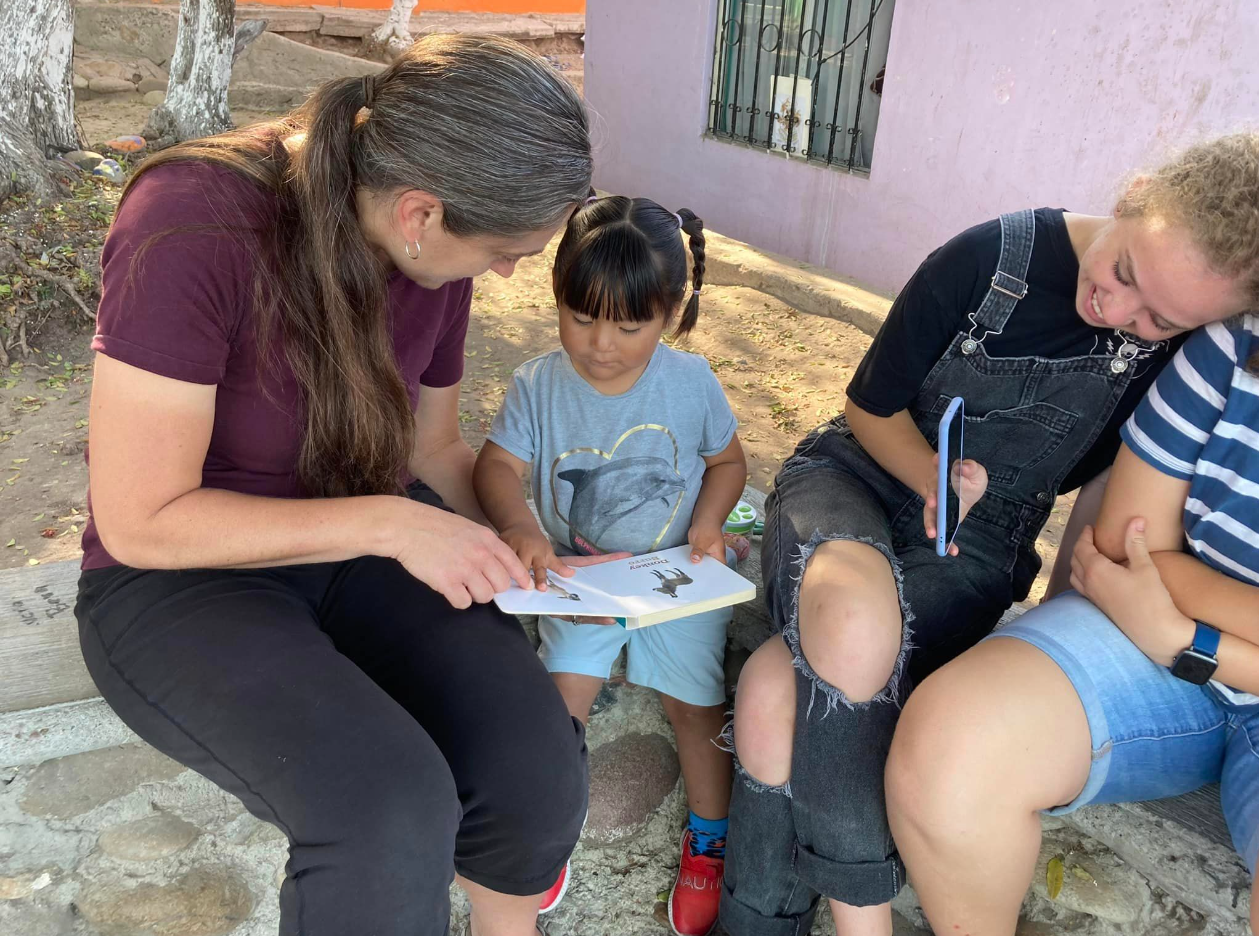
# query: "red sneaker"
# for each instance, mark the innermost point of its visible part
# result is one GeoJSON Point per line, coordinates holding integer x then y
{"type": "Point", "coordinates": [696, 892]}
{"type": "Point", "coordinates": [551, 899]}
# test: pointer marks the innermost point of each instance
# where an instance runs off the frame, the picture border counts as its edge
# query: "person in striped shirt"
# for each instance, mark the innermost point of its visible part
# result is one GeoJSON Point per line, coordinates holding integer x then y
{"type": "Point", "coordinates": [1142, 683]}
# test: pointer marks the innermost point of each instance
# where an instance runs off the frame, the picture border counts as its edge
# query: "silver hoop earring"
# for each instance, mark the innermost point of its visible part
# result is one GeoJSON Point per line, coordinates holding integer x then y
{"type": "Point", "coordinates": [406, 247]}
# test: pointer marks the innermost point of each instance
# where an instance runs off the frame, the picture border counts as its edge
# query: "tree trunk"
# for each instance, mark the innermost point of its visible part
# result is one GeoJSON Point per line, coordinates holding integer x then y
{"type": "Point", "coordinates": [36, 94]}
{"type": "Point", "coordinates": [200, 70]}
{"type": "Point", "coordinates": [393, 36]}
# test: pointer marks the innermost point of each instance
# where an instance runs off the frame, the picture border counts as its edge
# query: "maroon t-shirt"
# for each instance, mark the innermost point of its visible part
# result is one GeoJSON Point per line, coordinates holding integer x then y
{"type": "Point", "coordinates": [185, 310]}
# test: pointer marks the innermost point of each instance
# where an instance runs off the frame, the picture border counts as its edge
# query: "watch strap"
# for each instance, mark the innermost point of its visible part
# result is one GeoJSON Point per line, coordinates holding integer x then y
{"type": "Point", "coordinates": [1206, 639]}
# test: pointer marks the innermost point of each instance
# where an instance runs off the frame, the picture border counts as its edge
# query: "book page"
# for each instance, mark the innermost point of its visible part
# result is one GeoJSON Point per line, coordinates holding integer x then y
{"type": "Point", "coordinates": [633, 587]}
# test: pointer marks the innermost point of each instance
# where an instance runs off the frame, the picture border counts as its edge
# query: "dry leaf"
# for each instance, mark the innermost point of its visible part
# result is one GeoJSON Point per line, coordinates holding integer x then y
{"type": "Point", "coordinates": [1053, 877]}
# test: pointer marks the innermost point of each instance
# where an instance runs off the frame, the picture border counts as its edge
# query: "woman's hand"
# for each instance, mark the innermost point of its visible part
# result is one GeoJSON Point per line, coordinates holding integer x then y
{"type": "Point", "coordinates": [1132, 595]}
{"type": "Point", "coordinates": [706, 540]}
{"type": "Point", "coordinates": [463, 560]}
{"type": "Point", "coordinates": [535, 551]}
{"type": "Point", "coordinates": [969, 480]}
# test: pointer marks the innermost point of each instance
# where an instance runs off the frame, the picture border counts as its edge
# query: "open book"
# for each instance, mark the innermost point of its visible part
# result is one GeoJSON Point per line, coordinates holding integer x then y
{"type": "Point", "coordinates": [642, 590]}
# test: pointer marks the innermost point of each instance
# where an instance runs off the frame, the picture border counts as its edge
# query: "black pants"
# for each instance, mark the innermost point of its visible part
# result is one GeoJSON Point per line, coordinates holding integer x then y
{"type": "Point", "coordinates": [394, 739]}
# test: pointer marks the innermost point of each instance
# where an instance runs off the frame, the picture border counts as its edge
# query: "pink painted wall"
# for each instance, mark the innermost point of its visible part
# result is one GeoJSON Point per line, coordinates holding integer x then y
{"type": "Point", "coordinates": [988, 106]}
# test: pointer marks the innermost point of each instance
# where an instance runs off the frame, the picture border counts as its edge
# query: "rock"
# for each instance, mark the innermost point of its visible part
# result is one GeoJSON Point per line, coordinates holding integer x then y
{"type": "Point", "coordinates": [125, 143]}
{"type": "Point", "coordinates": [84, 159]}
{"type": "Point", "coordinates": [110, 171]}
{"type": "Point", "coordinates": [127, 30]}
{"type": "Point", "coordinates": [79, 82]}
{"type": "Point", "coordinates": [110, 85]}
{"type": "Point", "coordinates": [105, 68]}
{"type": "Point", "coordinates": [1100, 885]}
{"type": "Point", "coordinates": [24, 918]}
{"type": "Point", "coordinates": [147, 839]}
{"type": "Point", "coordinates": [148, 85]}
{"type": "Point", "coordinates": [273, 60]}
{"type": "Point", "coordinates": [201, 903]}
{"type": "Point", "coordinates": [148, 69]}
{"type": "Point", "coordinates": [23, 885]}
{"type": "Point", "coordinates": [629, 778]}
{"type": "Point", "coordinates": [903, 927]}
{"type": "Point", "coordinates": [155, 98]}
{"type": "Point", "coordinates": [70, 786]}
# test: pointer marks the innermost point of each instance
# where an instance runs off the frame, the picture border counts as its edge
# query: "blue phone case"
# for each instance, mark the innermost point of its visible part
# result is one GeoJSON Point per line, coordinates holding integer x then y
{"type": "Point", "coordinates": [955, 410]}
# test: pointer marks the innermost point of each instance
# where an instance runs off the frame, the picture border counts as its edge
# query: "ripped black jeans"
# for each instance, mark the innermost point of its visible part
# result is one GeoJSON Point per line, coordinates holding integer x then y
{"type": "Point", "coordinates": [825, 833]}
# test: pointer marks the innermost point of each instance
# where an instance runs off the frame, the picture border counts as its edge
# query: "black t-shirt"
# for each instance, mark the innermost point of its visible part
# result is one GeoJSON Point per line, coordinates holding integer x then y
{"type": "Point", "coordinates": [952, 282]}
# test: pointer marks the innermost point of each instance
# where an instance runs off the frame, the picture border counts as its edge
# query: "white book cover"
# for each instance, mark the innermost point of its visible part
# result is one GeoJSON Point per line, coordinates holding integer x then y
{"type": "Point", "coordinates": [643, 590]}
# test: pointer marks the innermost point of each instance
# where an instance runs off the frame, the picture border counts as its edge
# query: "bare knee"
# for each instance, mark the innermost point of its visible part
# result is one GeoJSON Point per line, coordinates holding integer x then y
{"type": "Point", "coordinates": [851, 629]}
{"type": "Point", "coordinates": [765, 714]}
{"type": "Point", "coordinates": [954, 756]}
{"type": "Point", "coordinates": [927, 782]}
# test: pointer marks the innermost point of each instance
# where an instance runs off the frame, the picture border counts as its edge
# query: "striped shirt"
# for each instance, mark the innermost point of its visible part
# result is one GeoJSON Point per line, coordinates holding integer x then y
{"type": "Point", "coordinates": [1200, 423]}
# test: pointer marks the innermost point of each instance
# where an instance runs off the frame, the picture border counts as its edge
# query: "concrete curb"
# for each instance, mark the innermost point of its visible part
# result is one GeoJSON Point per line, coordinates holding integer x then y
{"type": "Point", "coordinates": [36, 735]}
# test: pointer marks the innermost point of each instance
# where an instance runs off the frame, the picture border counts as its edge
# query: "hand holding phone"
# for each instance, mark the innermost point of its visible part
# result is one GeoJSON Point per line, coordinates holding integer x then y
{"type": "Point", "coordinates": [960, 482]}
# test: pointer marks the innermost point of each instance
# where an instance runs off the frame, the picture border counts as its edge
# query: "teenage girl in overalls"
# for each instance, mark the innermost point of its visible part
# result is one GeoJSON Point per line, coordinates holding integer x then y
{"type": "Point", "coordinates": [1050, 325]}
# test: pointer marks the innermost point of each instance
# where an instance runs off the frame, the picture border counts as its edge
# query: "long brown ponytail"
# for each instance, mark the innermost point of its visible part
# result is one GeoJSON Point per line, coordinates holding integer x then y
{"type": "Point", "coordinates": [483, 124]}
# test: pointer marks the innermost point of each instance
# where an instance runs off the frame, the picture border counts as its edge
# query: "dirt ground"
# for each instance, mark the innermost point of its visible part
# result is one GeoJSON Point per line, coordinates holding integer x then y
{"type": "Point", "coordinates": [784, 372]}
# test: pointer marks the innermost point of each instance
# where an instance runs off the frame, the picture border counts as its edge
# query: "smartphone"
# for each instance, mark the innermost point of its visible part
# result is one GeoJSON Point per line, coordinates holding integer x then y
{"type": "Point", "coordinates": [949, 479]}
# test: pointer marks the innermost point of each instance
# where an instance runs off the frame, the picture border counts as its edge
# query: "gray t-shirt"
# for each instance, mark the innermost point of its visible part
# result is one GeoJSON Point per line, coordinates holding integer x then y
{"type": "Point", "coordinates": [620, 472]}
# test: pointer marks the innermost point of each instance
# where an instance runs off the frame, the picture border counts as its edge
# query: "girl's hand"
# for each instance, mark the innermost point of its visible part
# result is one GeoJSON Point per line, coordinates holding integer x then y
{"type": "Point", "coordinates": [535, 551]}
{"type": "Point", "coordinates": [969, 479]}
{"type": "Point", "coordinates": [706, 540]}
{"type": "Point", "coordinates": [1132, 595]}
{"type": "Point", "coordinates": [462, 560]}
{"type": "Point", "coordinates": [592, 560]}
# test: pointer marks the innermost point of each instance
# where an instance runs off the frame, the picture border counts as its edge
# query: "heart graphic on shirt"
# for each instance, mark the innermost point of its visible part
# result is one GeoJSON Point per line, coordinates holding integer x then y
{"type": "Point", "coordinates": [604, 494]}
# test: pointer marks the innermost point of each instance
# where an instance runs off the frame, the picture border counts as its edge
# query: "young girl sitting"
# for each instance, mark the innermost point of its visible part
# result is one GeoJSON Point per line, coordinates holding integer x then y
{"type": "Point", "coordinates": [633, 448]}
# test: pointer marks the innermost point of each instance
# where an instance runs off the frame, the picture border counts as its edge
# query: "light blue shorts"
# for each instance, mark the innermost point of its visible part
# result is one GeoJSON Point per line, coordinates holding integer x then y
{"type": "Point", "coordinates": [684, 658]}
{"type": "Point", "coordinates": [1153, 735]}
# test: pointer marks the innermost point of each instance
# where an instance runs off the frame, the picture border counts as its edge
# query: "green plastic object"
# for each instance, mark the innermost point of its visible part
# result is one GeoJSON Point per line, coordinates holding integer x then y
{"type": "Point", "coordinates": [741, 520]}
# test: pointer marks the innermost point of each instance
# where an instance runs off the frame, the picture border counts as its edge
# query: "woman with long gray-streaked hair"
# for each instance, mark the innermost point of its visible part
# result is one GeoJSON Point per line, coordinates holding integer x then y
{"type": "Point", "coordinates": [275, 592]}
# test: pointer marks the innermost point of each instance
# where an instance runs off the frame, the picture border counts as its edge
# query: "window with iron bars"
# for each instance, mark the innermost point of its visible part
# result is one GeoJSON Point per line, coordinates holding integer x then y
{"type": "Point", "coordinates": [802, 78]}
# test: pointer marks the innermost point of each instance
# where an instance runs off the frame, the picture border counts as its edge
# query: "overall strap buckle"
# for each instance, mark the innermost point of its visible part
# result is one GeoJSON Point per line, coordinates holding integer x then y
{"type": "Point", "coordinates": [1013, 287]}
{"type": "Point", "coordinates": [1008, 284]}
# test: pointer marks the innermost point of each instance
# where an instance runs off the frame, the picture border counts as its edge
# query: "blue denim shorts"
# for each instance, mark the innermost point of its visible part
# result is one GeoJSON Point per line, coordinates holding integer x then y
{"type": "Point", "coordinates": [1153, 735]}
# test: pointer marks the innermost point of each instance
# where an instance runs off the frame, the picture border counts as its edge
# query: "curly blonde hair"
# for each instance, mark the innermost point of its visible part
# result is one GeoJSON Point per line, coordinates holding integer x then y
{"type": "Point", "coordinates": [1212, 191]}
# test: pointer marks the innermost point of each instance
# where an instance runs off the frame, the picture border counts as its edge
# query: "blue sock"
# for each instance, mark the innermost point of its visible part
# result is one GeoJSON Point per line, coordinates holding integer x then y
{"type": "Point", "coordinates": [708, 836]}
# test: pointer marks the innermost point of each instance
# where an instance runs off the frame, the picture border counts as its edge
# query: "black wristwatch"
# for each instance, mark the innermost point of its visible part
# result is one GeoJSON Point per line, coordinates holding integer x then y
{"type": "Point", "coordinates": [1197, 663]}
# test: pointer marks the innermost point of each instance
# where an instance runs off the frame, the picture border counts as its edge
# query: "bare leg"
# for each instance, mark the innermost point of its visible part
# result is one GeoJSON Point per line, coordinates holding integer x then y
{"type": "Point", "coordinates": [495, 914]}
{"type": "Point", "coordinates": [982, 746]}
{"type": "Point", "coordinates": [706, 768]}
{"type": "Point", "coordinates": [765, 714]}
{"type": "Point", "coordinates": [579, 693]}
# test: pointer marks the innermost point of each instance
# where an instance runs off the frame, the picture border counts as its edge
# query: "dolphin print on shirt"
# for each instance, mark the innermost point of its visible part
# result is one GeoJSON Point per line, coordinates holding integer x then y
{"type": "Point", "coordinates": [603, 495]}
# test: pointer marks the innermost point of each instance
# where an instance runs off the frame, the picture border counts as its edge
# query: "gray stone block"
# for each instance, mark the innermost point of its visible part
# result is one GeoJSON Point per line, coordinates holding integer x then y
{"type": "Point", "coordinates": [110, 85]}
{"type": "Point", "coordinates": [204, 902]}
{"type": "Point", "coordinates": [71, 786]}
{"type": "Point", "coordinates": [147, 839]}
{"type": "Point", "coordinates": [629, 778]}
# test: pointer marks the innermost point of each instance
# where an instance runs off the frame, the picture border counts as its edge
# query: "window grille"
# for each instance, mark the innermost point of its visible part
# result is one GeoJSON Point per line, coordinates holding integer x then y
{"type": "Point", "coordinates": [802, 78]}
